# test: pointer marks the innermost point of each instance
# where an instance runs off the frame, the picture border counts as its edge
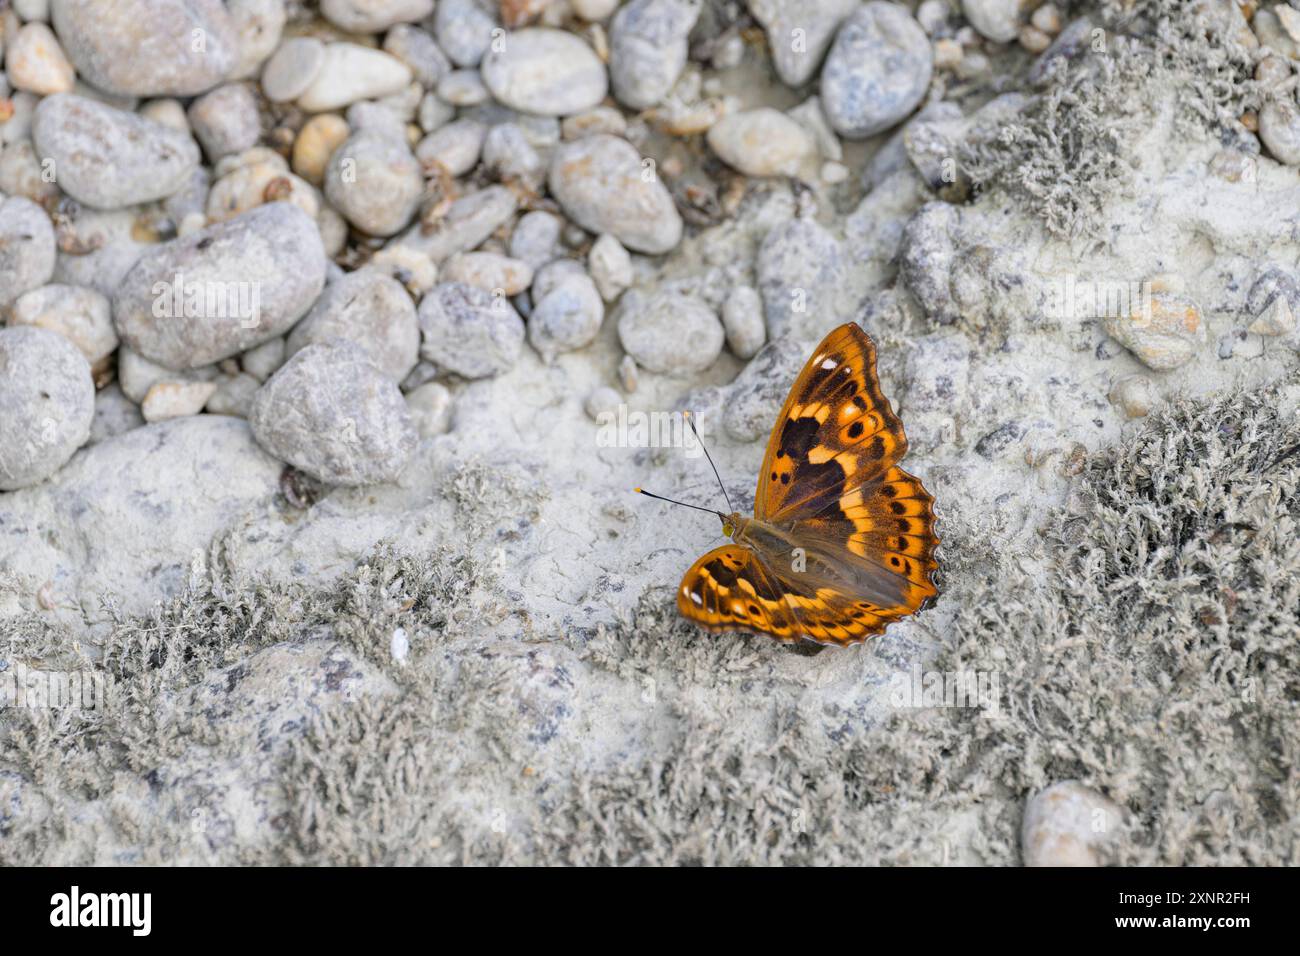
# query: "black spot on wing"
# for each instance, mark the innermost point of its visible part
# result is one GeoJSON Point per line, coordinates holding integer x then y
{"type": "Point", "coordinates": [798, 436]}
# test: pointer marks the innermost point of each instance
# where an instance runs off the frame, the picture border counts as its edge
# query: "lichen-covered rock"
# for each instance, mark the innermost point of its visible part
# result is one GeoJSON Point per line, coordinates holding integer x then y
{"type": "Point", "coordinates": [927, 259]}
{"type": "Point", "coordinates": [671, 333]}
{"type": "Point", "coordinates": [148, 47]}
{"type": "Point", "coordinates": [370, 310]}
{"type": "Point", "coordinates": [604, 185]}
{"type": "Point", "coordinates": [108, 158]}
{"type": "Point", "coordinates": [47, 402]}
{"type": "Point", "coordinates": [374, 180]}
{"type": "Point", "coordinates": [799, 268]}
{"type": "Point", "coordinates": [224, 289]}
{"type": "Point", "coordinates": [647, 49]}
{"type": "Point", "coordinates": [877, 72]}
{"type": "Point", "coordinates": [1068, 824]}
{"type": "Point", "coordinates": [469, 330]}
{"type": "Point", "coordinates": [544, 71]}
{"type": "Point", "coordinates": [329, 412]}
{"type": "Point", "coordinates": [566, 318]}
{"type": "Point", "coordinates": [27, 249]}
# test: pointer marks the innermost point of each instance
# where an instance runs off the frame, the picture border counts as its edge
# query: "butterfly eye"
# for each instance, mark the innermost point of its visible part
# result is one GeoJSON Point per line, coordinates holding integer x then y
{"type": "Point", "coordinates": [727, 528]}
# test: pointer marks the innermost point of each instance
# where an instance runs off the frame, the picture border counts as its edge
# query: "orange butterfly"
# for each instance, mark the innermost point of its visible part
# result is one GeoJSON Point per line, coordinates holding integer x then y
{"type": "Point", "coordinates": [842, 540]}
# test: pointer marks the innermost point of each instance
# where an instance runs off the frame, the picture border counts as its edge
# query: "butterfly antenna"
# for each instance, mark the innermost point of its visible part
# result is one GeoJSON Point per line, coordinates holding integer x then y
{"type": "Point", "coordinates": [690, 420]}
{"type": "Point", "coordinates": [672, 501]}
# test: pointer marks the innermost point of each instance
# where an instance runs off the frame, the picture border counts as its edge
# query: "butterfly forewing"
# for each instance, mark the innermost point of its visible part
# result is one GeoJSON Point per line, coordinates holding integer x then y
{"type": "Point", "coordinates": [863, 527]}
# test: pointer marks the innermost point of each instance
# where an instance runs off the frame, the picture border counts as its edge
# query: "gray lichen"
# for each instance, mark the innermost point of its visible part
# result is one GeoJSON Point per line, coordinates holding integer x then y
{"type": "Point", "coordinates": [1150, 650]}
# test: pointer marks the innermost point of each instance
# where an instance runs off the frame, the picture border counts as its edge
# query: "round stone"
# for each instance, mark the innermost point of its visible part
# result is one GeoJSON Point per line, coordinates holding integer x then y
{"type": "Point", "coordinates": [329, 412]}
{"type": "Point", "coordinates": [373, 312]}
{"type": "Point", "coordinates": [292, 68]}
{"type": "Point", "coordinates": [374, 180]}
{"type": "Point", "coordinates": [47, 403]}
{"type": "Point", "coordinates": [671, 333]}
{"type": "Point", "coordinates": [878, 70]}
{"type": "Point", "coordinates": [604, 185]}
{"type": "Point", "coordinates": [544, 71]}
{"type": "Point", "coordinates": [469, 330]}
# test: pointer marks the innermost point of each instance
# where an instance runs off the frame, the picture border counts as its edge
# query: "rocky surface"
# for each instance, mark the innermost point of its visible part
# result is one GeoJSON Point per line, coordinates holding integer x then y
{"type": "Point", "coordinates": [383, 518]}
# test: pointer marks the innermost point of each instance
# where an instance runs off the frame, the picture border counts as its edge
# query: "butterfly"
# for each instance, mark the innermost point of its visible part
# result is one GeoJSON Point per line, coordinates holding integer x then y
{"type": "Point", "coordinates": [842, 542]}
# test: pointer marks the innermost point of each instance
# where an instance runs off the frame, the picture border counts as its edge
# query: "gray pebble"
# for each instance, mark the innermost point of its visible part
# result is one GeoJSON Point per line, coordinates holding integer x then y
{"type": "Point", "coordinates": [742, 318]}
{"type": "Point", "coordinates": [47, 402]}
{"type": "Point", "coordinates": [536, 238]}
{"type": "Point", "coordinates": [628, 374]}
{"type": "Point", "coordinates": [647, 49]}
{"type": "Point", "coordinates": [1279, 129]}
{"type": "Point", "coordinates": [434, 112]}
{"type": "Point", "coordinates": [464, 30]}
{"type": "Point", "coordinates": [489, 270]}
{"type": "Point", "coordinates": [259, 25]}
{"type": "Point", "coordinates": [456, 146]}
{"type": "Point", "coordinates": [108, 158]}
{"type": "Point", "coordinates": [818, 19]}
{"type": "Point", "coordinates": [114, 414]}
{"type": "Point", "coordinates": [147, 47]}
{"type": "Point", "coordinates": [544, 71]}
{"type": "Point", "coordinates": [602, 401]}
{"type": "Point", "coordinates": [241, 282]}
{"type": "Point", "coordinates": [469, 221]}
{"type": "Point", "coordinates": [373, 16]}
{"type": "Point", "coordinates": [470, 331]}
{"type": "Point", "coordinates": [670, 333]}
{"type": "Point", "coordinates": [261, 361]}
{"type": "Point", "coordinates": [226, 120]}
{"type": "Point", "coordinates": [333, 415]}
{"type": "Point", "coordinates": [604, 185]}
{"type": "Point", "coordinates": [233, 395]}
{"type": "Point", "coordinates": [610, 267]}
{"type": "Point", "coordinates": [507, 154]}
{"type": "Point", "coordinates": [552, 274]}
{"type": "Point", "coordinates": [370, 310]}
{"type": "Point", "coordinates": [82, 316]}
{"type": "Point", "coordinates": [292, 69]}
{"type": "Point", "coordinates": [137, 375]}
{"type": "Point", "coordinates": [374, 180]}
{"type": "Point", "coordinates": [999, 20]}
{"type": "Point", "coordinates": [463, 88]}
{"type": "Point", "coordinates": [418, 50]}
{"type": "Point", "coordinates": [27, 248]}
{"type": "Point", "coordinates": [799, 269]}
{"type": "Point", "coordinates": [567, 318]}
{"type": "Point", "coordinates": [430, 406]}
{"type": "Point", "coordinates": [878, 70]}
{"type": "Point", "coordinates": [761, 142]}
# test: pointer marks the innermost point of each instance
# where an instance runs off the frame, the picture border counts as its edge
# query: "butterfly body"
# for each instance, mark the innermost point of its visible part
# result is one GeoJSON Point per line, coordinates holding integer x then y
{"type": "Point", "coordinates": [842, 540]}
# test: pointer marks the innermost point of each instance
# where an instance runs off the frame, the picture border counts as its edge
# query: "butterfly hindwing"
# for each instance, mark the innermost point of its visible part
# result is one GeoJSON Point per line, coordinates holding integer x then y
{"type": "Point", "coordinates": [729, 589]}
